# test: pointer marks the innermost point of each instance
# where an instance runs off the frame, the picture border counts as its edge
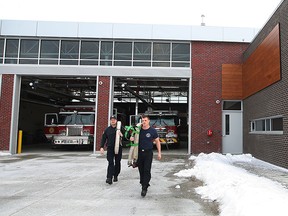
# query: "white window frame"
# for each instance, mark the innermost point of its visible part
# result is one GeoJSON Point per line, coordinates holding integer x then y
{"type": "Point", "coordinates": [252, 126]}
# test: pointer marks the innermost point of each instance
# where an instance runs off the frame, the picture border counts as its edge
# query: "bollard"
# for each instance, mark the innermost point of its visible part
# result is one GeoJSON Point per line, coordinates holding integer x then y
{"type": "Point", "coordinates": [19, 141]}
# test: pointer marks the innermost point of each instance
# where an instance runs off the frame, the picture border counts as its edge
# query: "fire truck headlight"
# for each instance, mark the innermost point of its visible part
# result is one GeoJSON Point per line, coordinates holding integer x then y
{"type": "Point", "coordinates": [86, 132]}
{"type": "Point", "coordinates": [62, 132]}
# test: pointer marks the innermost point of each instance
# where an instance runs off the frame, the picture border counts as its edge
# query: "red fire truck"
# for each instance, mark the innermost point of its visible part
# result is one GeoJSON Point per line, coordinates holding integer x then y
{"type": "Point", "coordinates": [165, 122]}
{"type": "Point", "coordinates": [73, 125]}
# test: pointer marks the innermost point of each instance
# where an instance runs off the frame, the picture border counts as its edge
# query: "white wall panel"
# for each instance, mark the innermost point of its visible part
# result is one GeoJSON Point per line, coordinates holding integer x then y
{"type": "Point", "coordinates": [206, 33]}
{"type": "Point", "coordinates": [62, 70]}
{"type": "Point", "coordinates": [171, 32]}
{"type": "Point", "coordinates": [18, 28]}
{"type": "Point", "coordinates": [125, 31]}
{"type": "Point", "coordinates": [132, 31]}
{"type": "Point", "coordinates": [236, 34]}
{"type": "Point", "coordinates": [95, 30]}
{"type": "Point", "coordinates": [57, 29]}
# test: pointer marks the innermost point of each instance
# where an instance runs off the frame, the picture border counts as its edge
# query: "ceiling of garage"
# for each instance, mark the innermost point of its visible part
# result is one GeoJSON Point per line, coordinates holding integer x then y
{"type": "Point", "coordinates": [60, 91]}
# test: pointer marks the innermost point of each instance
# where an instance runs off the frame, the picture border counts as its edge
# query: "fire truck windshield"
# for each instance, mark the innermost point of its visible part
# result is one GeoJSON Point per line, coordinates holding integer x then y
{"type": "Point", "coordinates": [76, 118]}
{"type": "Point", "coordinates": [162, 120]}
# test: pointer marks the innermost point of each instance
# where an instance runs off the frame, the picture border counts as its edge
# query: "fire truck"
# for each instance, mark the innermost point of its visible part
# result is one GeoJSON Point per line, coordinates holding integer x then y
{"type": "Point", "coordinates": [73, 125]}
{"type": "Point", "coordinates": [165, 122]}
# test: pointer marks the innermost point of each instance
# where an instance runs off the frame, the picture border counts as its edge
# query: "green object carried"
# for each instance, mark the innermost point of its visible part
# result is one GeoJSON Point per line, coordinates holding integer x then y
{"type": "Point", "coordinates": [133, 152]}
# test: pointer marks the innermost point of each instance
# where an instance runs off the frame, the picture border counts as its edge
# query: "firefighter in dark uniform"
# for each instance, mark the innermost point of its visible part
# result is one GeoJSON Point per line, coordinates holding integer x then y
{"type": "Point", "coordinates": [114, 160]}
{"type": "Point", "coordinates": [147, 136]}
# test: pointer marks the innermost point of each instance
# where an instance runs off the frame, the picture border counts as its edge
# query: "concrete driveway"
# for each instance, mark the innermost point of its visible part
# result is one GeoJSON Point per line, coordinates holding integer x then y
{"type": "Point", "coordinates": [73, 183]}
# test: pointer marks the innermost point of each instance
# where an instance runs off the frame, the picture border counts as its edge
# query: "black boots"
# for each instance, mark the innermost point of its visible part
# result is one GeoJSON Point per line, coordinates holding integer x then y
{"type": "Point", "coordinates": [109, 181]}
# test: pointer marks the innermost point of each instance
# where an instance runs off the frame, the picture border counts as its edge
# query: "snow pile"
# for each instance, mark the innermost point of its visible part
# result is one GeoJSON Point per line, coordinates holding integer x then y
{"type": "Point", "coordinates": [238, 192]}
{"type": "Point", "coordinates": [5, 153]}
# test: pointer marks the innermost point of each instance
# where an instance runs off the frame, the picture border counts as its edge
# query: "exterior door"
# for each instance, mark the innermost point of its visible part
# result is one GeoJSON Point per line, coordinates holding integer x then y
{"type": "Point", "coordinates": [232, 132]}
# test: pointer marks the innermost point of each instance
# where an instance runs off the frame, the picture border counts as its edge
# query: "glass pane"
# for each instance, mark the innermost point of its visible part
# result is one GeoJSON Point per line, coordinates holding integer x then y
{"type": "Point", "coordinates": [277, 124]}
{"type": "Point", "coordinates": [89, 50]}
{"type": "Point", "coordinates": [87, 62]}
{"type": "Point", "coordinates": [69, 62]}
{"type": "Point", "coordinates": [143, 64]}
{"type": "Point", "coordinates": [122, 63]}
{"type": "Point", "coordinates": [260, 125]}
{"type": "Point", "coordinates": [227, 124]}
{"type": "Point", "coordinates": [69, 49]}
{"type": "Point", "coordinates": [142, 51]}
{"type": "Point", "coordinates": [48, 62]}
{"type": "Point", "coordinates": [106, 63]}
{"type": "Point", "coordinates": [177, 64]}
{"type": "Point", "coordinates": [10, 61]}
{"type": "Point", "coordinates": [123, 51]}
{"type": "Point", "coordinates": [267, 124]}
{"type": "Point", "coordinates": [12, 48]}
{"type": "Point", "coordinates": [161, 64]}
{"type": "Point", "coordinates": [1, 47]}
{"type": "Point", "coordinates": [49, 49]}
{"type": "Point", "coordinates": [28, 61]}
{"type": "Point", "coordinates": [180, 52]}
{"type": "Point", "coordinates": [106, 51]}
{"type": "Point", "coordinates": [232, 105]}
{"type": "Point", "coordinates": [29, 48]}
{"type": "Point", "coordinates": [161, 52]}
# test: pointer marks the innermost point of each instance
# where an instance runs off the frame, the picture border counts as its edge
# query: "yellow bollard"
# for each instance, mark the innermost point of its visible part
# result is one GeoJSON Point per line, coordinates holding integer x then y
{"type": "Point", "coordinates": [20, 141]}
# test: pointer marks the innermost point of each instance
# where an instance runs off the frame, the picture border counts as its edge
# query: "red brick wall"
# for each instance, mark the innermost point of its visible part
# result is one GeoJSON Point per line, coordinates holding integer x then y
{"type": "Point", "coordinates": [207, 60]}
{"type": "Point", "coordinates": [103, 107]}
{"type": "Point", "coordinates": [6, 110]}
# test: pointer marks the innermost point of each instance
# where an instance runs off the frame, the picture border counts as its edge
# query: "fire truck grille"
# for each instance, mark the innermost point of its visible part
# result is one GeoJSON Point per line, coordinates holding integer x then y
{"type": "Point", "coordinates": [75, 131]}
{"type": "Point", "coordinates": [161, 135]}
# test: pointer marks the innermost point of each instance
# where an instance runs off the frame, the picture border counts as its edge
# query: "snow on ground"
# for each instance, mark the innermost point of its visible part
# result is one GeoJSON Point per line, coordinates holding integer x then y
{"type": "Point", "coordinates": [2, 153]}
{"type": "Point", "coordinates": [238, 192]}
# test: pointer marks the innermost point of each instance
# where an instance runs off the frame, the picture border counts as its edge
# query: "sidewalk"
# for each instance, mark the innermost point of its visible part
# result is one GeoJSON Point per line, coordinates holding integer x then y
{"type": "Point", "coordinates": [73, 183]}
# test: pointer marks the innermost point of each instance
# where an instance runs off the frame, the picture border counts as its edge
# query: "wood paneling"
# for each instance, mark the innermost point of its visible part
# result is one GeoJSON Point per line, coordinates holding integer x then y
{"type": "Point", "coordinates": [232, 81]}
{"type": "Point", "coordinates": [262, 68]}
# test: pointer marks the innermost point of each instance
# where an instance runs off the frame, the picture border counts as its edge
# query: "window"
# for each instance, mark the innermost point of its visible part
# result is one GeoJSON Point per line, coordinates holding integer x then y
{"type": "Point", "coordinates": [227, 124]}
{"type": "Point", "coordinates": [69, 52]}
{"type": "Point", "coordinates": [161, 54]}
{"type": "Point", "coordinates": [260, 125]}
{"type": "Point", "coordinates": [123, 54]}
{"type": "Point", "coordinates": [1, 50]}
{"type": "Point", "coordinates": [89, 53]}
{"type": "Point", "coordinates": [49, 51]}
{"type": "Point", "coordinates": [11, 52]}
{"type": "Point", "coordinates": [180, 55]}
{"type": "Point", "coordinates": [142, 54]}
{"type": "Point", "coordinates": [273, 125]}
{"type": "Point", "coordinates": [232, 105]}
{"type": "Point", "coordinates": [277, 124]}
{"type": "Point", "coordinates": [106, 53]}
{"type": "Point", "coordinates": [29, 51]}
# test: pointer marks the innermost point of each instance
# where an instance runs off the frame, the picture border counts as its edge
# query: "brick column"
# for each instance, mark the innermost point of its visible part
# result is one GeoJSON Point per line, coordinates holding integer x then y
{"type": "Point", "coordinates": [6, 110]}
{"type": "Point", "coordinates": [103, 107]}
{"type": "Point", "coordinates": [207, 60]}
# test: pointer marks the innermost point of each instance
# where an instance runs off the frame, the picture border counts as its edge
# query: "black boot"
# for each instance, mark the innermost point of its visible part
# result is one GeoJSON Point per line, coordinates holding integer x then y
{"type": "Point", "coordinates": [115, 179]}
{"type": "Point", "coordinates": [144, 191]}
{"type": "Point", "coordinates": [109, 181]}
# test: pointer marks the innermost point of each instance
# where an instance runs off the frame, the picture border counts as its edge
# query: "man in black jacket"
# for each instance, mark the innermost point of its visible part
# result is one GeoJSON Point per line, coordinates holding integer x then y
{"type": "Point", "coordinates": [108, 139]}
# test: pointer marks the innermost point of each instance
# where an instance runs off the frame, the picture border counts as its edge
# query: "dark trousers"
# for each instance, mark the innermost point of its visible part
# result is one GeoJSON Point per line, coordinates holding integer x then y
{"type": "Point", "coordinates": [144, 166]}
{"type": "Point", "coordinates": [114, 162]}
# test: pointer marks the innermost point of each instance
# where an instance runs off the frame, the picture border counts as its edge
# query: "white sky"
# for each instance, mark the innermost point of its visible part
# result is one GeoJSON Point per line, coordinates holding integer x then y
{"type": "Point", "coordinates": [227, 13]}
{"type": "Point", "coordinates": [239, 192]}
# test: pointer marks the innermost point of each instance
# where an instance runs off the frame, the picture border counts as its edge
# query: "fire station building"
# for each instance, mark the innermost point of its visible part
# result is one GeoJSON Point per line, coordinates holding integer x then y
{"type": "Point", "coordinates": [228, 85]}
